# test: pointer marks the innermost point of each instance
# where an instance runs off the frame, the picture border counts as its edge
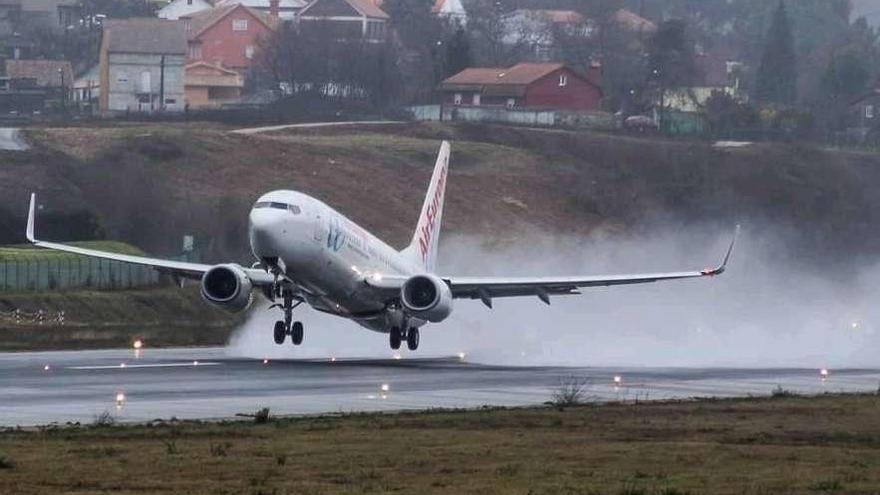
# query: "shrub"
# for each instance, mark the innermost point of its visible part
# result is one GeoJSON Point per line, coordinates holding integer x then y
{"type": "Point", "coordinates": [261, 416]}
{"type": "Point", "coordinates": [104, 419]}
{"type": "Point", "coordinates": [780, 392]}
{"type": "Point", "coordinates": [6, 462]}
{"type": "Point", "coordinates": [220, 449]}
{"type": "Point", "coordinates": [170, 447]}
{"type": "Point", "coordinates": [572, 391]}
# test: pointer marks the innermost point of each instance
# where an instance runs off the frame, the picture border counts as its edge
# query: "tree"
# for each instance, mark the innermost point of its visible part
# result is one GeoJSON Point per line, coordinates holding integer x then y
{"type": "Point", "coordinates": [725, 115]}
{"type": "Point", "coordinates": [670, 60]}
{"type": "Point", "coordinates": [117, 9]}
{"type": "Point", "coordinates": [671, 56]}
{"type": "Point", "coordinates": [776, 81]}
{"type": "Point", "coordinates": [458, 53]}
{"type": "Point", "coordinates": [310, 57]}
{"type": "Point", "coordinates": [847, 75]}
{"type": "Point", "coordinates": [496, 43]}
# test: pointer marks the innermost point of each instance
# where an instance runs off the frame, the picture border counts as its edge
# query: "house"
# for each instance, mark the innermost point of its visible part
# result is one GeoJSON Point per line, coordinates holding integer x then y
{"type": "Point", "coordinates": [211, 86]}
{"type": "Point", "coordinates": [287, 9]}
{"type": "Point", "coordinates": [141, 65]}
{"type": "Point", "coordinates": [87, 86]}
{"type": "Point", "coordinates": [718, 71]}
{"type": "Point", "coordinates": [348, 19]}
{"type": "Point", "coordinates": [525, 85]}
{"type": "Point", "coordinates": [226, 36]}
{"type": "Point", "coordinates": [175, 9]}
{"type": "Point", "coordinates": [54, 77]}
{"type": "Point", "coordinates": [452, 10]}
{"type": "Point", "coordinates": [863, 118]}
{"type": "Point", "coordinates": [630, 21]}
{"type": "Point", "coordinates": [57, 14]}
{"type": "Point", "coordinates": [536, 30]}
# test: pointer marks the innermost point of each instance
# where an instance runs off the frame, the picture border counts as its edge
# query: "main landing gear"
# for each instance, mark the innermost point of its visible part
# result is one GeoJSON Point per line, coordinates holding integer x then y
{"type": "Point", "coordinates": [287, 326]}
{"type": "Point", "coordinates": [397, 336]}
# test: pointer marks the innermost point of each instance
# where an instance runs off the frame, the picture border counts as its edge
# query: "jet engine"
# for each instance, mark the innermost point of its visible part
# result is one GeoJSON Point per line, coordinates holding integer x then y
{"type": "Point", "coordinates": [228, 287]}
{"type": "Point", "coordinates": [427, 297]}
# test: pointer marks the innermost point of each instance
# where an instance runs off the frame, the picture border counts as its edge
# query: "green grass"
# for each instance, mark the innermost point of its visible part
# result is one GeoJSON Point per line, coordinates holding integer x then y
{"type": "Point", "coordinates": [826, 444]}
{"type": "Point", "coordinates": [25, 252]}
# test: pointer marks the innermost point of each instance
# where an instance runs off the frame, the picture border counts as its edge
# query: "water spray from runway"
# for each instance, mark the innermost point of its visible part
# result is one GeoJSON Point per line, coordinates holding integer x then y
{"type": "Point", "coordinates": [761, 313]}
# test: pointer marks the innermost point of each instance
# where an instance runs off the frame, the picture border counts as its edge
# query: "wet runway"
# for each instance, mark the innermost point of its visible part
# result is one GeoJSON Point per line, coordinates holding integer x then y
{"type": "Point", "coordinates": [42, 388]}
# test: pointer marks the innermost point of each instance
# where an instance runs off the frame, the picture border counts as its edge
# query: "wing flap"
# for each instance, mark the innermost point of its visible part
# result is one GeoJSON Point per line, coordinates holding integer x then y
{"type": "Point", "coordinates": [487, 288]}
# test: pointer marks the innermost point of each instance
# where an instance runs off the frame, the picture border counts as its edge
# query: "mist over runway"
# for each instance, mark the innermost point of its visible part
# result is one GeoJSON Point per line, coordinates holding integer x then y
{"type": "Point", "coordinates": [208, 384]}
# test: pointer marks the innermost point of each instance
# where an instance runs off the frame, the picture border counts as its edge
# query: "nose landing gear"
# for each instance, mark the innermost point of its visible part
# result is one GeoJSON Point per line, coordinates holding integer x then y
{"type": "Point", "coordinates": [287, 326]}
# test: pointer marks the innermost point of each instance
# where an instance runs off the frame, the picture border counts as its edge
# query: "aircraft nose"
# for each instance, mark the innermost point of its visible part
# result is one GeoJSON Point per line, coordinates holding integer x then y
{"type": "Point", "coordinates": [265, 229]}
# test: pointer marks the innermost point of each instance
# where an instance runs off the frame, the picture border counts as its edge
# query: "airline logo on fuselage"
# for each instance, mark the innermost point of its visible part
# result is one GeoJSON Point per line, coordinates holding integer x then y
{"type": "Point", "coordinates": [426, 229]}
{"type": "Point", "coordinates": [336, 235]}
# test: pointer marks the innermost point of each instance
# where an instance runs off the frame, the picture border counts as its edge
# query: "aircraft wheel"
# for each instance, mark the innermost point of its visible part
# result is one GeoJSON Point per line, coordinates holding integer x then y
{"type": "Point", "coordinates": [296, 333]}
{"type": "Point", "coordinates": [395, 338]}
{"type": "Point", "coordinates": [412, 339]}
{"type": "Point", "coordinates": [280, 332]}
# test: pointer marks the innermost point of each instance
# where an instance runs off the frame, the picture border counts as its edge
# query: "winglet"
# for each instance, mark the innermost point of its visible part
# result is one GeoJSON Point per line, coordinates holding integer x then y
{"type": "Point", "coordinates": [30, 221]}
{"type": "Point", "coordinates": [723, 266]}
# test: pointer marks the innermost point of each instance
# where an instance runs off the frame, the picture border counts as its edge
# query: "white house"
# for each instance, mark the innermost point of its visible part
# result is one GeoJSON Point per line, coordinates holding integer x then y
{"type": "Point", "coordinates": [87, 86]}
{"type": "Point", "coordinates": [450, 9]}
{"type": "Point", "coordinates": [180, 8]}
{"type": "Point", "coordinates": [141, 65]}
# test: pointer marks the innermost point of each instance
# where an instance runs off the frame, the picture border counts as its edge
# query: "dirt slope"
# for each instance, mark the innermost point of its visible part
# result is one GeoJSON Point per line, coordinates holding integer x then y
{"type": "Point", "coordinates": [150, 185]}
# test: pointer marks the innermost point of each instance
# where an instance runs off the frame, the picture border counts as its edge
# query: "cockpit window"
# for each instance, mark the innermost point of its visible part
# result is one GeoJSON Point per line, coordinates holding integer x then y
{"type": "Point", "coordinates": [278, 206]}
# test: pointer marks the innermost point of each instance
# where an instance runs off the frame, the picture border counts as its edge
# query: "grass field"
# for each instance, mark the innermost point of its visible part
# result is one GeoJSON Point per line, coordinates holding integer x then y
{"type": "Point", "coordinates": [827, 444]}
{"type": "Point", "coordinates": [25, 252]}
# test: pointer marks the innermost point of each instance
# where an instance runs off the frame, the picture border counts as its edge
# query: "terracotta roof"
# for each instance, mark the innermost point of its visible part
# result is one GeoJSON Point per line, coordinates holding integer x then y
{"type": "Point", "coordinates": [204, 74]}
{"type": "Point", "coordinates": [145, 35]}
{"type": "Point", "coordinates": [44, 71]}
{"type": "Point", "coordinates": [265, 4]}
{"type": "Point", "coordinates": [556, 16]}
{"type": "Point", "coordinates": [519, 74]}
{"type": "Point", "coordinates": [367, 8]}
{"type": "Point", "coordinates": [634, 22]}
{"type": "Point", "coordinates": [204, 19]}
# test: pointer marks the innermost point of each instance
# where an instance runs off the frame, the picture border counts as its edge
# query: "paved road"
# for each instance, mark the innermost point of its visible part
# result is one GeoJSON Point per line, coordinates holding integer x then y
{"type": "Point", "coordinates": [11, 140]}
{"type": "Point", "coordinates": [314, 125]}
{"type": "Point", "coordinates": [205, 383]}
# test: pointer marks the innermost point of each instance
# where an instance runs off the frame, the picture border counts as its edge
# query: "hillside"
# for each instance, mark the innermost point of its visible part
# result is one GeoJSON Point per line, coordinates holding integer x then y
{"type": "Point", "coordinates": [150, 185]}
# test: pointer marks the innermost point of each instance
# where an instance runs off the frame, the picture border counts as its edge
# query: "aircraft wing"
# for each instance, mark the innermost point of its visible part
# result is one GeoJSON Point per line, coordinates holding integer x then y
{"type": "Point", "coordinates": [487, 289]}
{"type": "Point", "coordinates": [178, 268]}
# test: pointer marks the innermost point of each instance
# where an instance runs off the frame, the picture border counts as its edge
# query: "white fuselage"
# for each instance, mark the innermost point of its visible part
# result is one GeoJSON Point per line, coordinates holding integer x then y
{"type": "Point", "coordinates": [329, 256]}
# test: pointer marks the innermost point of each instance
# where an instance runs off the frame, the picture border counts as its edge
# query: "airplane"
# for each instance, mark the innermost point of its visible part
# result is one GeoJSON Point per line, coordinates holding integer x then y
{"type": "Point", "coordinates": [307, 252]}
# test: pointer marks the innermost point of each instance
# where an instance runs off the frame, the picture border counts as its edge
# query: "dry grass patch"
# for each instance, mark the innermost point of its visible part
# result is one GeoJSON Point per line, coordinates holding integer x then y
{"type": "Point", "coordinates": [829, 444]}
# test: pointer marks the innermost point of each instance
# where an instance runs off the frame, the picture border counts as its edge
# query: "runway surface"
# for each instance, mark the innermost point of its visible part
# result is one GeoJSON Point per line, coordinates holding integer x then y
{"type": "Point", "coordinates": [59, 387]}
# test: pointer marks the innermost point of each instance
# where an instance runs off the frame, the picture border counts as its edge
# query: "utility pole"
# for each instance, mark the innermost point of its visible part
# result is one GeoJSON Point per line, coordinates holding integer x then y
{"type": "Point", "coordinates": [63, 91]}
{"type": "Point", "coordinates": [162, 83]}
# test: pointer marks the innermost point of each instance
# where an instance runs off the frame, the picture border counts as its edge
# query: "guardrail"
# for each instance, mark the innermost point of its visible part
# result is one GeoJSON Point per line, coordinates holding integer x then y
{"type": "Point", "coordinates": [71, 272]}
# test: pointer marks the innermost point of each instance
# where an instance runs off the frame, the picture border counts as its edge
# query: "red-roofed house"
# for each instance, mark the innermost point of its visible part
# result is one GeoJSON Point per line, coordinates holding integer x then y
{"type": "Point", "coordinates": [526, 85]}
{"type": "Point", "coordinates": [226, 36]}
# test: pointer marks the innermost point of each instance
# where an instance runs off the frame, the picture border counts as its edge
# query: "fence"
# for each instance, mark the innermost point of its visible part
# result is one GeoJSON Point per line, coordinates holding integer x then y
{"type": "Point", "coordinates": [534, 118]}
{"type": "Point", "coordinates": [68, 272]}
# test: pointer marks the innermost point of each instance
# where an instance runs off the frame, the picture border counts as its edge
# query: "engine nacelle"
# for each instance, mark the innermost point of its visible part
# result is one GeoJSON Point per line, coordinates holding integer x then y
{"type": "Point", "coordinates": [427, 297]}
{"type": "Point", "coordinates": [228, 287]}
